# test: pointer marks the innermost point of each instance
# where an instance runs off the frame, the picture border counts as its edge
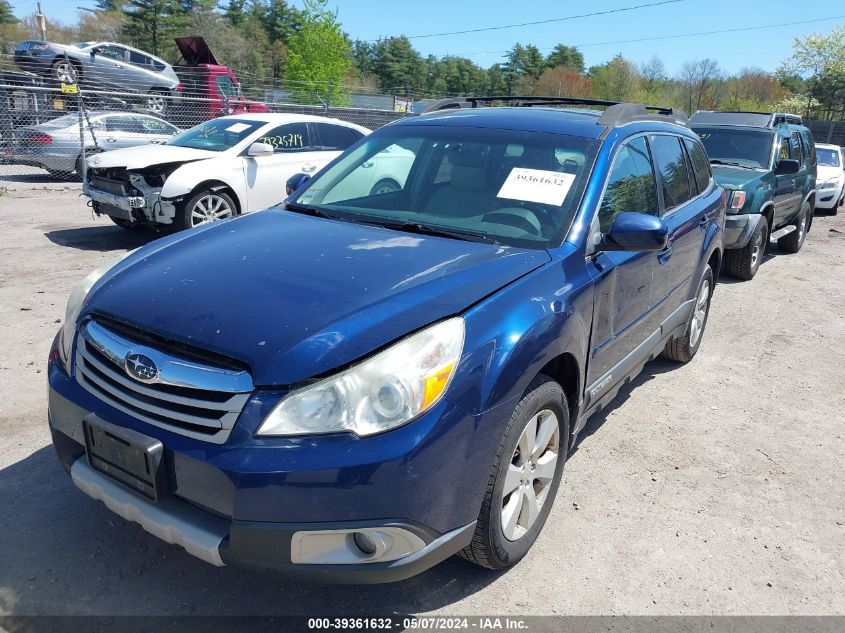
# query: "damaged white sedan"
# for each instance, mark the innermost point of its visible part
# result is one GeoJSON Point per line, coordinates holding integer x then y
{"type": "Point", "coordinates": [216, 170]}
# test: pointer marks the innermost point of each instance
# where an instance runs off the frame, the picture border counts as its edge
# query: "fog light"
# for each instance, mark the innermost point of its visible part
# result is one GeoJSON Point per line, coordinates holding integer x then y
{"type": "Point", "coordinates": [351, 546]}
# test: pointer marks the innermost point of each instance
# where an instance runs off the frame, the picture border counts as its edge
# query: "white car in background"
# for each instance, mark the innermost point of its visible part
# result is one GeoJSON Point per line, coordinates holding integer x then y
{"type": "Point", "coordinates": [216, 170]}
{"type": "Point", "coordinates": [830, 179]}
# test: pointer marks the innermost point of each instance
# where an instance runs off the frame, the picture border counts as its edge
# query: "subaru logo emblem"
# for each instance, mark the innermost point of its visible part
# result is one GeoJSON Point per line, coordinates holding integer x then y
{"type": "Point", "coordinates": [140, 367]}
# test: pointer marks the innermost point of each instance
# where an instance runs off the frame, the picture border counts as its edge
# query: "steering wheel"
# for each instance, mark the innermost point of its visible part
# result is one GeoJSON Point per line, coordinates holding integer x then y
{"type": "Point", "coordinates": [523, 218]}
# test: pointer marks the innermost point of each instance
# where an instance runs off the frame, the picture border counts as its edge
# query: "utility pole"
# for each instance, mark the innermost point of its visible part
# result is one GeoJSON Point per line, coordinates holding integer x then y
{"type": "Point", "coordinates": [42, 23]}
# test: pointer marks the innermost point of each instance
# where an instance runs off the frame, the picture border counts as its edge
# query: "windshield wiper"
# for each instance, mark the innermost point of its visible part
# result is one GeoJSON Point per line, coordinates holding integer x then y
{"type": "Point", "coordinates": [716, 161]}
{"type": "Point", "coordinates": [425, 229]}
{"type": "Point", "coordinates": [306, 210]}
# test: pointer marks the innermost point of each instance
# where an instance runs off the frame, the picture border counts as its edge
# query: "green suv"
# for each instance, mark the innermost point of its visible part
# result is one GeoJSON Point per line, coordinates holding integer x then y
{"type": "Point", "coordinates": [767, 165]}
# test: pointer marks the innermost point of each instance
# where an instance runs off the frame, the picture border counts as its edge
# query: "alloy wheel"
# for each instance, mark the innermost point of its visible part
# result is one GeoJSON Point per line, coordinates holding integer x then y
{"type": "Point", "coordinates": [210, 208]}
{"type": "Point", "coordinates": [65, 72]}
{"type": "Point", "coordinates": [155, 103]}
{"type": "Point", "coordinates": [530, 474]}
{"type": "Point", "coordinates": [757, 252]}
{"type": "Point", "coordinates": [699, 315]}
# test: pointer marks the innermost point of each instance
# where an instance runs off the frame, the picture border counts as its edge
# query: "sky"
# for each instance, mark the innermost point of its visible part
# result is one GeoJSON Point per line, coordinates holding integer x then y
{"type": "Point", "coordinates": [599, 37]}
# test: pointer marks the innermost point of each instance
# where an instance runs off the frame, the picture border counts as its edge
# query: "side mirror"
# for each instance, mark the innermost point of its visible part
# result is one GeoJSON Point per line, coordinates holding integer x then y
{"type": "Point", "coordinates": [787, 166]}
{"type": "Point", "coordinates": [295, 182]}
{"type": "Point", "coordinates": [260, 149]}
{"type": "Point", "coordinates": [636, 232]}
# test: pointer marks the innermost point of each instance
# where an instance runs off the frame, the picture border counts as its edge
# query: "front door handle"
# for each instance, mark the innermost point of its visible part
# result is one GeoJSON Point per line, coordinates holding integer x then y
{"type": "Point", "coordinates": [704, 221]}
{"type": "Point", "coordinates": [664, 254]}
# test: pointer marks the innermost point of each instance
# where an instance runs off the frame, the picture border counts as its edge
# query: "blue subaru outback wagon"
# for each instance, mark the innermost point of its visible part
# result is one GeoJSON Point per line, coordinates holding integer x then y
{"type": "Point", "coordinates": [372, 379]}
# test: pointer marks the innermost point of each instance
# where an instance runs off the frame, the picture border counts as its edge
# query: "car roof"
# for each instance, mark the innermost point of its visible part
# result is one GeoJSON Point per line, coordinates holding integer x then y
{"type": "Point", "coordinates": [583, 122]}
{"type": "Point", "coordinates": [281, 118]}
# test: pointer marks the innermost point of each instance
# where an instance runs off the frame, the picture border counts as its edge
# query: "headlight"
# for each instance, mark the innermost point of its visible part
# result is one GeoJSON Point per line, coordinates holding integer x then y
{"type": "Point", "coordinates": [831, 184]}
{"type": "Point", "coordinates": [74, 307]}
{"type": "Point", "coordinates": [736, 200]}
{"type": "Point", "coordinates": [379, 394]}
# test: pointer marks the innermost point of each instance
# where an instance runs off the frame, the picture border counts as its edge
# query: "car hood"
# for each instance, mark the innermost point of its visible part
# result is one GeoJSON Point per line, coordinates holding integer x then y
{"type": "Point", "coordinates": [294, 296]}
{"type": "Point", "coordinates": [735, 177]}
{"type": "Point", "coordinates": [826, 172]}
{"type": "Point", "coordinates": [142, 156]}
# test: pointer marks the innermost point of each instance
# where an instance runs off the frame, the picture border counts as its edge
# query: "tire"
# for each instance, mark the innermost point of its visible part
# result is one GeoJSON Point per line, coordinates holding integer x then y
{"type": "Point", "coordinates": [684, 348]}
{"type": "Point", "coordinates": [200, 209]}
{"type": "Point", "coordinates": [743, 263]}
{"type": "Point", "coordinates": [793, 242]}
{"type": "Point", "coordinates": [385, 185]}
{"type": "Point", "coordinates": [156, 102]}
{"type": "Point", "coordinates": [65, 71]}
{"type": "Point", "coordinates": [490, 546]}
{"type": "Point", "coordinates": [78, 167]}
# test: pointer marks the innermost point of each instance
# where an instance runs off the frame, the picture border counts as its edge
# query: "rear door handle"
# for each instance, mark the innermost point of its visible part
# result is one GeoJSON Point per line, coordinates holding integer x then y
{"type": "Point", "coordinates": [704, 221]}
{"type": "Point", "coordinates": [664, 254]}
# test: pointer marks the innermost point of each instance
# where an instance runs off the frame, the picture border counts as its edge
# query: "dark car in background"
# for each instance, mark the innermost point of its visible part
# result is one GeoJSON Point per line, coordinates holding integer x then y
{"type": "Point", "coordinates": [767, 164]}
{"type": "Point", "coordinates": [364, 382]}
{"type": "Point", "coordinates": [102, 65]}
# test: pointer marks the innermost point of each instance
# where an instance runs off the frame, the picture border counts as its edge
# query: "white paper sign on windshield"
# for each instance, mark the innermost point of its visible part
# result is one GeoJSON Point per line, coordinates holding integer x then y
{"type": "Point", "coordinates": [237, 127]}
{"type": "Point", "coordinates": [536, 185]}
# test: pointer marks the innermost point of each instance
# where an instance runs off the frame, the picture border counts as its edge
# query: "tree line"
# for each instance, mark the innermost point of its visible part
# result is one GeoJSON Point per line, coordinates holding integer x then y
{"type": "Point", "coordinates": [306, 52]}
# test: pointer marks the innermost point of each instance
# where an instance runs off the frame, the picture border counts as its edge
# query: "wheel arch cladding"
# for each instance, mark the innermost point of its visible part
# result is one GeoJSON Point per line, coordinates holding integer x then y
{"type": "Point", "coordinates": [520, 332]}
{"type": "Point", "coordinates": [715, 263]}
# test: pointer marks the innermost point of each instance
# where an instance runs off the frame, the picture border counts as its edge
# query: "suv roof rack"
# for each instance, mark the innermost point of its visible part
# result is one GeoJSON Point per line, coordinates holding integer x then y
{"type": "Point", "coordinates": [745, 118]}
{"type": "Point", "coordinates": [617, 113]}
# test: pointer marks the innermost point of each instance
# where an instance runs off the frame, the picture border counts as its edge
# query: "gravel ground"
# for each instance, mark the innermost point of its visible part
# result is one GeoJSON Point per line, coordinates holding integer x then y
{"type": "Point", "coordinates": [713, 488]}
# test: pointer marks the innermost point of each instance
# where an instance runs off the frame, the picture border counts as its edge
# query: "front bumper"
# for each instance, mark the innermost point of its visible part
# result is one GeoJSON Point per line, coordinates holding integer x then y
{"type": "Point", "coordinates": [738, 229]}
{"type": "Point", "coordinates": [828, 198]}
{"type": "Point", "coordinates": [149, 208]}
{"type": "Point", "coordinates": [242, 502]}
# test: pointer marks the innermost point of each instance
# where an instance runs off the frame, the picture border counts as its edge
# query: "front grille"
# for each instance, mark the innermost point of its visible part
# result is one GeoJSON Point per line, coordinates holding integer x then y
{"type": "Point", "coordinates": [185, 397]}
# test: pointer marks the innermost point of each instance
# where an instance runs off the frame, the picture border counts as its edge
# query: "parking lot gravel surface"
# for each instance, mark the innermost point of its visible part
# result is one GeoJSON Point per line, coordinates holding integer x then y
{"type": "Point", "coordinates": [712, 488]}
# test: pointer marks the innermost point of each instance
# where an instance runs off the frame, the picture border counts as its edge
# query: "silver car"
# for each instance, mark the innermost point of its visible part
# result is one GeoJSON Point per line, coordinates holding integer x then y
{"type": "Point", "coordinates": [103, 64]}
{"type": "Point", "coordinates": [56, 145]}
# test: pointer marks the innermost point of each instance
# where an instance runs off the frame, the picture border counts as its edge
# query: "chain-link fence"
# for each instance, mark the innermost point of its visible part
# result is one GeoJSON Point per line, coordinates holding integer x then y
{"type": "Point", "coordinates": [54, 116]}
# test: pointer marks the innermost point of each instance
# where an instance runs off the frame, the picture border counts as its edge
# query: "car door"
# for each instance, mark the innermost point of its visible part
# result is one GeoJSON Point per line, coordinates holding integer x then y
{"type": "Point", "coordinates": [123, 130]}
{"type": "Point", "coordinates": [108, 65]}
{"type": "Point", "coordinates": [687, 218]}
{"type": "Point", "coordinates": [624, 278]}
{"type": "Point", "coordinates": [787, 196]}
{"type": "Point", "coordinates": [293, 153]}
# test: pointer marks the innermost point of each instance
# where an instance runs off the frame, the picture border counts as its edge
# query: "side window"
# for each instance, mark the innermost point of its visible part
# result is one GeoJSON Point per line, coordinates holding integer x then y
{"type": "Point", "coordinates": [336, 137]}
{"type": "Point", "coordinates": [154, 126]}
{"type": "Point", "coordinates": [795, 147]}
{"type": "Point", "coordinates": [630, 185]}
{"type": "Point", "coordinates": [139, 59]}
{"type": "Point", "coordinates": [292, 137]}
{"type": "Point", "coordinates": [122, 124]}
{"type": "Point", "coordinates": [700, 164]}
{"type": "Point", "coordinates": [117, 53]}
{"type": "Point", "coordinates": [672, 164]}
{"type": "Point", "coordinates": [225, 86]}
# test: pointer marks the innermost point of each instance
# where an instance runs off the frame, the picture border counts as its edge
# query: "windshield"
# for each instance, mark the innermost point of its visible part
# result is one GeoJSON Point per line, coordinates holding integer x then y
{"type": "Point", "coordinates": [745, 148]}
{"type": "Point", "coordinates": [83, 44]}
{"type": "Point", "coordinates": [828, 157]}
{"type": "Point", "coordinates": [217, 135]}
{"type": "Point", "coordinates": [512, 187]}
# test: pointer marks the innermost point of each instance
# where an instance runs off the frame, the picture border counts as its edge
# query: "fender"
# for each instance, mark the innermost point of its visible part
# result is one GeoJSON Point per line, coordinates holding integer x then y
{"type": "Point", "coordinates": [187, 177]}
{"type": "Point", "coordinates": [505, 355]}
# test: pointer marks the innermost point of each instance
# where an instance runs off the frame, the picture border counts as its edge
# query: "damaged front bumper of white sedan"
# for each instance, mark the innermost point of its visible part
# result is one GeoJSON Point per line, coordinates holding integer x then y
{"type": "Point", "coordinates": [133, 201]}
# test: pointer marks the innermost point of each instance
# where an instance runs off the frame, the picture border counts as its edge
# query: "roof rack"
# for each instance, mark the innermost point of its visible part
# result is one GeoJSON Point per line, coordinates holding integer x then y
{"type": "Point", "coordinates": [617, 113]}
{"type": "Point", "coordinates": [745, 118]}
